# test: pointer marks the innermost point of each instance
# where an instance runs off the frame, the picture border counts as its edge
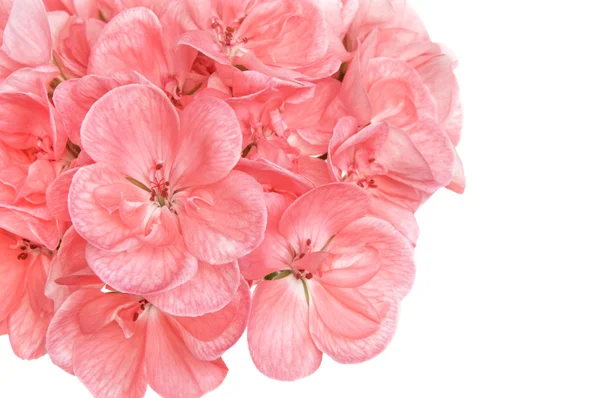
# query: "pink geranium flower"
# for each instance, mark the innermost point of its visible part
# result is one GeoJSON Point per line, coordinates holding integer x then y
{"type": "Point", "coordinates": [118, 344]}
{"type": "Point", "coordinates": [157, 212]}
{"type": "Point", "coordinates": [287, 39]}
{"type": "Point", "coordinates": [333, 274]}
{"type": "Point", "coordinates": [25, 37]}
{"type": "Point", "coordinates": [24, 310]}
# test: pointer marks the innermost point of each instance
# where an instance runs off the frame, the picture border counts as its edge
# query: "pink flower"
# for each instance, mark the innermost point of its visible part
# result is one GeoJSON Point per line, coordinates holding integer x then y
{"type": "Point", "coordinates": [24, 310]}
{"type": "Point", "coordinates": [333, 274]}
{"type": "Point", "coordinates": [138, 40]}
{"type": "Point", "coordinates": [158, 211]}
{"type": "Point", "coordinates": [379, 89]}
{"type": "Point", "coordinates": [33, 152]}
{"type": "Point", "coordinates": [287, 39]}
{"type": "Point", "coordinates": [24, 36]}
{"type": "Point", "coordinates": [118, 344]}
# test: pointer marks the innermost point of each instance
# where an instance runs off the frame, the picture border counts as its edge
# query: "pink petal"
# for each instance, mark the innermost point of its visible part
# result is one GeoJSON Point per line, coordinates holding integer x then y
{"type": "Point", "coordinates": [145, 270]}
{"type": "Point", "coordinates": [204, 42]}
{"type": "Point", "coordinates": [57, 195]}
{"type": "Point", "coordinates": [322, 213]}
{"type": "Point", "coordinates": [210, 335]}
{"type": "Point", "coordinates": [12, 276]}
{"type": "Point", "coordinates": [90, 218]}
{"type": "Point", "coordinates": [213, 287]}
{"type": "Point", "coordinates": [64, 329]}
{"type": "Point", "coordinates": [110, 365]}
{"type": "Point", "coordinates": [131, 41]}
{"type": "Point", "coordinates": [345, 312]}
{"type": "Point", "coordinates": [228, 226]}
{"type": "Point", "coordinates": [172, 370]}
{"type": "Point", "coordinates": [383, 291]}
{"type": "Point", "coordinates": [278, 336]}
{"type": "Point", "coordinates": [27, 330]}
{"type": "Point", "coordinates": [27, 36]}
{"type": "Point", "coordinates": [121, 122]}
{"type": "Point", "coordinates": [278, 178]}
{"type": "Point", "coordinates": [211, 144]}
{"type": "Point", "coordinates": [274, 253]}
{"type": "Point", "coordinates": [314, 169]}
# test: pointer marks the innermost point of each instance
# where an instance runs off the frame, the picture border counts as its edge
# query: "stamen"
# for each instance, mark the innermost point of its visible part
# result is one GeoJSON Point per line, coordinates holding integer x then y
{"type": "Point", "coordinates": [22, 256]}
{"type": "Point", "coordinates": [308, 242]}
{"type": "Point", "coordinates": [136, 316]}
{"type": "Point", "coordinates": [301, 256]}
{"type": "Point", "coordinates": [309, 276]}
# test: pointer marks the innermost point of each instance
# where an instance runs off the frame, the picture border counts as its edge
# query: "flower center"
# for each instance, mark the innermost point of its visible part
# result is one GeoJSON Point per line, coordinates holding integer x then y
{"type": "Point", "coordinates": [25, 248]}
{"type": "Point", "coordinates": [353, 174]}
{"type": "Point", "coordinates": [143, 304]}
{"type": "Point", "coordinates": [227, 38]}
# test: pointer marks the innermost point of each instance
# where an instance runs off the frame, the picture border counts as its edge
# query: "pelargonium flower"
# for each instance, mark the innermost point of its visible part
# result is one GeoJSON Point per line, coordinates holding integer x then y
{"type": "Point", "coordinates": [334, 274]}
{"type": "Point", "coordinates": [162, 206]}
{"type": "Point", "coordinates": [287, 39]}
{"type": "Point", "coordinates": [118, 344]}
{"type": "Point", "coordinates": [25, 311]}
{"type": "Point", "coordinates": [25, 36]}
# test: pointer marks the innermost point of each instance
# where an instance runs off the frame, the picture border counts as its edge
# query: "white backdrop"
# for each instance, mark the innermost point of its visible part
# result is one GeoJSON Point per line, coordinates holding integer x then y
{"type": "Point", "coordinates": [507, 297]}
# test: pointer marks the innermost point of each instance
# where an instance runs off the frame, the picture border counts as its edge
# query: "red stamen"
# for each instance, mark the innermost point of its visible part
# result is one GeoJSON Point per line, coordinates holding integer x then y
{"type": "Point", "coordinates": [309, 276]}
{"type": "Point", "coordinates": [159, 166]}
{"type": "Point", "coordinates": [298, 276]}
{"type": "Point", "coordinates": [136, 316]}
{"type": "Point", "coordinates": [23, 247]}
{"type": "Point", "coordinates": [371, 160]}
{"type": "Point", "coordinates": [22, 256]}
{"type": "Point", "coordinates": [308, 242]}
{"type": "Point", "coordinates": [301, 256]}
{"type": "Point", "coordinates": [301, 271]}
{"type": "Point", "coordinates": [33, 247]}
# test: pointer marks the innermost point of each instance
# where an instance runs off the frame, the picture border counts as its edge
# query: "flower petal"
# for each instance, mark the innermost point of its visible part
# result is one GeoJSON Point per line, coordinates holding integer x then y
{"type": "Point", "coordinates": [172, 370]}
{"type": "Point", "coordinates": [117, 127]}
{"type": "Point", "coordinates": [213, 287]}
{"type": "Point", "coordinates": [322, 213]}
{"type": "Point", "coordinates": [144, 270]}
{"type": "Point", "coordinates": [230, 224]}
{"type": "Point", "coordinates": [27, 37]}
{"type": "Point", "coordinates": [278, 336]}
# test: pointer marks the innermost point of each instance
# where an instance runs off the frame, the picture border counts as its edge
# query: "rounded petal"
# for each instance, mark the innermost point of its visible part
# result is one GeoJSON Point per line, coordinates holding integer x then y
{"type": "Point", "coordinates": [210, 335]}
{"type": "Point", "coordinates": [172, 370]}
{"type": "Point", "coordinates": [211, 143]}
{"type": "Point", "coordinates": [213, 287]}
{"type": "Point", "coordinates": [27, 330]}
{"type": "Point", "coordinates": [110, 365]}
{"type": "Point", "coordinates": [57, 195]}
{"type": "Point", "coordinates": [131, 41]}
{"type": "Point", "coordinates": [93, 221]}
{"type": "Point", "coordinates": [278, 336]}
{"type": "Point", "coordinates": [116, 130]}
{"type": "Point", "coordinates": [145, 270]}
{"type": "Point", "coordinates": [322, 213]}
{"type": "Point", "coordinates": [224, 221]}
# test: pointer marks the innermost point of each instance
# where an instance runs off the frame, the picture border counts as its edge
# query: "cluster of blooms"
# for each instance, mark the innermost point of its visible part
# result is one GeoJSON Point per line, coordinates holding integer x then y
{"type": "Point", "coordinates": [161, 158]}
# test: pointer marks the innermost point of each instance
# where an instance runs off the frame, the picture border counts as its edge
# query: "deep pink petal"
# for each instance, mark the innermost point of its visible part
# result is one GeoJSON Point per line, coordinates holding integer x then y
{"type": "Point", "coordinates": [224, 221]}
{"type": "Point", "coordinates": [213, 287]}
{"type": "Point", "coordinates": [278, 336]}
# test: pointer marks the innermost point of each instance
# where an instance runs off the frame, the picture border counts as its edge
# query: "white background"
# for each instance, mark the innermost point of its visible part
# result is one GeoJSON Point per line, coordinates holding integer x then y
{"type": "Point", "coordinates": [507, 297]}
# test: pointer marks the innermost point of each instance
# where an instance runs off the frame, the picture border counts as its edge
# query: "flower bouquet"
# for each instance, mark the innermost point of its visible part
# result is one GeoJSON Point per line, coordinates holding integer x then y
{"type": "Point", "coordinates": [176, 172]}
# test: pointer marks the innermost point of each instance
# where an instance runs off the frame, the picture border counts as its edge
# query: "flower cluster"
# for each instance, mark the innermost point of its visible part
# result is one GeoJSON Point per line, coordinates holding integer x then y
{"type": "Point", "coordinates": [161, 158]}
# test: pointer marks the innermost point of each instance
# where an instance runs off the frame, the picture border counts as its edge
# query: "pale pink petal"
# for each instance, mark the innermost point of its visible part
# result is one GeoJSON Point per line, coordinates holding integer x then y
{"type": "Point", "coordinates": [131, 41]}
{"type": "Point", "coordinates": [354, 94]}
{"type": "Point", "coordinates": [110, 365]}
{"type": "Point", "coordinates": [101, 310]}
{"type": "Point", "coordinates": [210, 335]}
{"type": "Point", "coordinates": [211, 143]}
{"type": "Point", "coordinates": [278, 336]}
{"type": "Point", "coordinates": [314, 169]}
{"type": "Point", "coordinates": [172, 370]}
{"type": "Point", "coordinates": [458, 182]}
{"type": "Point", "coordinates": [224, 221]}
{"type": "Point", "coordinates": [27, 37]}
{"type": "Point", "coordinates": [213, 287]}
{"type": "Point", "coordinates": [322, 213]}
{"type": "Point", "coordinates": [12, 276]}
{"type": "Point", "coordinates": [116, 130]}
{"type": "Point", "coordinates": [92, 220]}
{"type": "Point", "coordinates": [144, 270]}
{"type": "Point", "coordinates": [401, 217]}
{"type": "Point", "coordinates": [204, 42]}
{"type": "Point", "coordinates": [3, 328]}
